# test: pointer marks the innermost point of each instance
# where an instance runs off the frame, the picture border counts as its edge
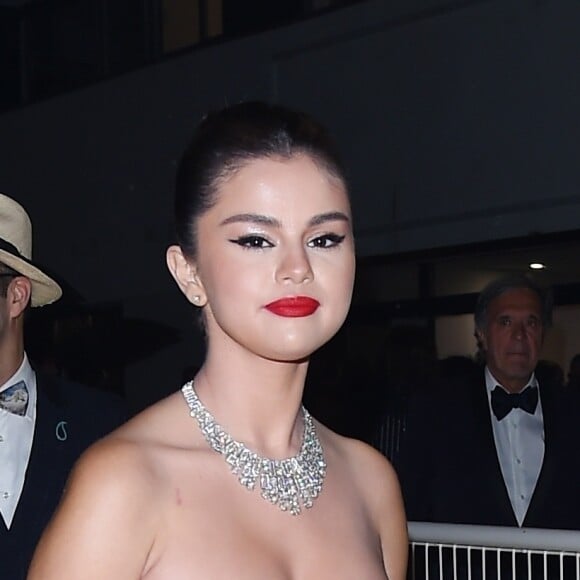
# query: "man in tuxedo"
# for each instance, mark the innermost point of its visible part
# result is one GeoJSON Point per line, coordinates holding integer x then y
{"type": "Point", "coordinates": [45, 423]}
{"type": "Point", "coordinates": [493, 446]}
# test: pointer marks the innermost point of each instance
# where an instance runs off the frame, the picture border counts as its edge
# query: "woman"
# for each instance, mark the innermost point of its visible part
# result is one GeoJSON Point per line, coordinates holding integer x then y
{"type": "Point", "coordinates": [232, 478]}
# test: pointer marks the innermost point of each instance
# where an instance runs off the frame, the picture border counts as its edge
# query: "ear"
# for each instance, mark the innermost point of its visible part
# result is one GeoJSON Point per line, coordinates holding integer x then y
{"type": "Point", "coordinates": [481, 339]}
{"type": "Point", "coordinates": [184, 272]}
{"type": "Point", "coordinates": [18, 295]}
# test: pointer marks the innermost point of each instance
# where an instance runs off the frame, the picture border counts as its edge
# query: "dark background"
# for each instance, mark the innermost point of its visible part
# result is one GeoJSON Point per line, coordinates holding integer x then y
{"type": "Point", "coordinates": [459, 122]}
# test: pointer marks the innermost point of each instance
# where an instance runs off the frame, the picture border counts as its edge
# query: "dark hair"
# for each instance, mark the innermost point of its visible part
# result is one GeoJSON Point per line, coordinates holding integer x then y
{"type": "Point", "coordinates": [228, 139]}
{"type": "Point", "coordinates": [7, 274]}
{"type": "Point", "coordinates": [512, 282]}
{"type": "Point", "coordinates": [575, 361]}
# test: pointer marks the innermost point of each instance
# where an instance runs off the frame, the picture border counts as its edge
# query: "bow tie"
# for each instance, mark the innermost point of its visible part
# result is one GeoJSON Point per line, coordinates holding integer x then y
{"type": "Point", "coordinates": [502, 403]}
{"type": "Point", "coordinates": [15, 399]}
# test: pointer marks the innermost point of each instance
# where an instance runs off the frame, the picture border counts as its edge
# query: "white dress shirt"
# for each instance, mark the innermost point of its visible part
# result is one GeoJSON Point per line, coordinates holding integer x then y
{"type": "Point", "coordinates": [519, 441]}
{"type": "Point", "coordinates": [16, 434]}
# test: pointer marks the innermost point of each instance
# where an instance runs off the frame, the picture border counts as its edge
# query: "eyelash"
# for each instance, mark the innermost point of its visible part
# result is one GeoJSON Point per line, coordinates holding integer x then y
{"type": "Point", "coordinates": [334, 239]}
{"type": "Point", "coordinates": [253, 242]}
{"type": "Point", "coordinates": [256, 242]}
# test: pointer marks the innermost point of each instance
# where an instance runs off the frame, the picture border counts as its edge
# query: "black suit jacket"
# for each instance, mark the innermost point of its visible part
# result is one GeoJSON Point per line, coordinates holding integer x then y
{"type": "Point", "coordinates": [449, 468]}
{"type": "Point", "coordinates": [69, 417]}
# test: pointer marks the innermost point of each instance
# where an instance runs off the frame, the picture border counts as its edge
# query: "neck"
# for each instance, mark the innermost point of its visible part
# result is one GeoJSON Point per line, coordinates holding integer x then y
{"type": "Point", "coordinates": [516, 386]}
{"type": "Point", "coordinates": [255, 401]}
{"type": "Point", "coordinates": [511, 385]}
{"type": "Point", "coordinates": [11, 351]}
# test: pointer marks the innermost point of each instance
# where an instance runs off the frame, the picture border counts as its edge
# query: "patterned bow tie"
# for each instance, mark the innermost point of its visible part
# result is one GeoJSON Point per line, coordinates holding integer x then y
{"type": "Point", "coordinates": [502, 403]}
{"type": "Point", "coordinates": [15, 399]}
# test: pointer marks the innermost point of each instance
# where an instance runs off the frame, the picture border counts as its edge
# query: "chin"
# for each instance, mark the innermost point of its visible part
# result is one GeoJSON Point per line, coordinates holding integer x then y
{"type": "Point", "coordinates": [520, 374]}
{"type": "Point", "coordinates": [298, 354]}
{"type": "Point", "coordinates": [288, 360]}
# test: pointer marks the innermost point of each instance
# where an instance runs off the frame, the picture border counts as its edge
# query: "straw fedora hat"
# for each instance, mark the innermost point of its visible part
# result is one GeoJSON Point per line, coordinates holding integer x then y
{"type": "Point", "coordinates": [16, 251]}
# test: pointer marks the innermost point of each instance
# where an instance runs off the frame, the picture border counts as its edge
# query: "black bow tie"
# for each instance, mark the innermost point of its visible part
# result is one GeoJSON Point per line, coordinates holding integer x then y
{"type": "Point", "coordinates": [502, 403]}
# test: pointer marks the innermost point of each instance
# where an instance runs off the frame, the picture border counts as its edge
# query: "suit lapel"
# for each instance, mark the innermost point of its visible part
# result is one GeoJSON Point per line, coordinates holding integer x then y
{"type": "Point", "coordinates": [43, 485]}
{"type": "Point", "coordinates": [47, 460]}
{"type": "Point", "coordinates": [493, 485]}
{"type": "Point", "coordinates": [546, 476]}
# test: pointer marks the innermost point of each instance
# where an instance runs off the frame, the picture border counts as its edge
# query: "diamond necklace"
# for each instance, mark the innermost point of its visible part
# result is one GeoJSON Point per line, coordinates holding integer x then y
{"type": "Point", "coordinates": [290, 483]}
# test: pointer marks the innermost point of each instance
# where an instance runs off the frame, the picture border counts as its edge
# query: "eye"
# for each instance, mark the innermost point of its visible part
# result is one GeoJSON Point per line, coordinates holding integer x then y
{"type": "Point", "coordinates": [505, 320]}
{"type": "Point", "coordinates": [253, 242]}
{"type": "Point", "coordinates": [326, 241]}
{"type": "Point", "coordinates": [533, 322]}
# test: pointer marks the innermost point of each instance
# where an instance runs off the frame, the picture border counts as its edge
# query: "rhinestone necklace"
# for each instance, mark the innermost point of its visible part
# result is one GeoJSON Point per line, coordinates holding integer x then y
{"type": "Point", "coordinates": [291, 483]}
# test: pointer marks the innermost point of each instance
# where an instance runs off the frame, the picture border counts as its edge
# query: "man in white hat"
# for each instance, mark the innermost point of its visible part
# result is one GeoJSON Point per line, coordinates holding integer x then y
{"type": "Point", "coordinates": [45, 423]}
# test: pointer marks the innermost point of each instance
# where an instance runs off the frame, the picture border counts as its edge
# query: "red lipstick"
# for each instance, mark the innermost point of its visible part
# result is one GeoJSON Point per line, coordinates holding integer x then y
{"type": "Point", "coordinates": [293, 306]}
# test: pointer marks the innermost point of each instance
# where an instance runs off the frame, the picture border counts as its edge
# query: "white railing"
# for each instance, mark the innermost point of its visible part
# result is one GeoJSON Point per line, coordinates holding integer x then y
{"type": "Point", "coordinates": [468, 552]}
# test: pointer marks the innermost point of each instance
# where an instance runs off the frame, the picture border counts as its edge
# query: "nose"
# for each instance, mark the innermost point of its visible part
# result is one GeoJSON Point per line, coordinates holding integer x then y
{"type": "Point", "coordinates": [294, 267]}
{"type": "Point", "coordinates": [519, 330]}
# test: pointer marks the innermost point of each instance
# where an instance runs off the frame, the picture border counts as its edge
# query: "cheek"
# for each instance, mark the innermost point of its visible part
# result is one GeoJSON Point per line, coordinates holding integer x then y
{"type": "Point", "coordinates": [495, 346]}
{"type": "Point", "coordinates": [230, 286]}
{"type": "Point", "coordinates": [349, 283]}
{"type": "Point", "coordinates": [346, 269]}
{"type": "Point", "coordinates": [339, 282]}
{"type": "Point", "coordinates": [501, 345]}
{"type": "Point", "coordinates": [342, 292]}
{"type": "Point", "coordinates": [536, 340]}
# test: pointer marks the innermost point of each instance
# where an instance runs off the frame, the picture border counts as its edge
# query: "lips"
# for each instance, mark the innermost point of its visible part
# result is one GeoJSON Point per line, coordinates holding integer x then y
{"type": "Point", "coordinates": [293, 306]}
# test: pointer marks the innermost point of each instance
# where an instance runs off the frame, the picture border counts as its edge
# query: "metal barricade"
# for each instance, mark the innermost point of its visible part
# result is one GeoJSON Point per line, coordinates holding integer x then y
{"type": "Point", "coordinates": [469, 552]}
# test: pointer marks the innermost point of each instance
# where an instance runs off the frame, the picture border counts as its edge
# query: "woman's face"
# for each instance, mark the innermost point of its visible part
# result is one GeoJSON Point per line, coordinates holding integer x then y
{"type": "Point", "coordinates": [276, 259]}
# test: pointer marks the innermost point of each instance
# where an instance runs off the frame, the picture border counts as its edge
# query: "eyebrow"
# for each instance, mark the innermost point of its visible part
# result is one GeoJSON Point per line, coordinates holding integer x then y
{"type": "Point", "coordinates": [270, 221]}
{"type": "Point", "coordinates": [330, 216]}
{"type": "Point", "coordinates": [253, 218]}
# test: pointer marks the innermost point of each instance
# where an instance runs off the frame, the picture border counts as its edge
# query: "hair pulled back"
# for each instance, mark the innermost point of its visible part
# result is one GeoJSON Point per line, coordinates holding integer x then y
{"type": "Point", "coordinates": [228, 139]}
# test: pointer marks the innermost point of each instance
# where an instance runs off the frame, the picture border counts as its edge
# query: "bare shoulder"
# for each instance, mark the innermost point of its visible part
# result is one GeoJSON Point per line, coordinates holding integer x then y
{"type": "Point", "coordinates": [112, 467]}
{"type": "Point", "coordinates": [114, 501]}
{"type": "Point", "coordinates": [129, 457]}
{"type": "Point", "coordinates": [128, 467]}
{"type": "Point", "coordinates": [367, 465]}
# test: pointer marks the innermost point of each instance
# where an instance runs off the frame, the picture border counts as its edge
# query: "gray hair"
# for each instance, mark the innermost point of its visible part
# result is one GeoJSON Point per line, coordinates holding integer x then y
{"type": "Point", "coordinates": [512, 282]}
